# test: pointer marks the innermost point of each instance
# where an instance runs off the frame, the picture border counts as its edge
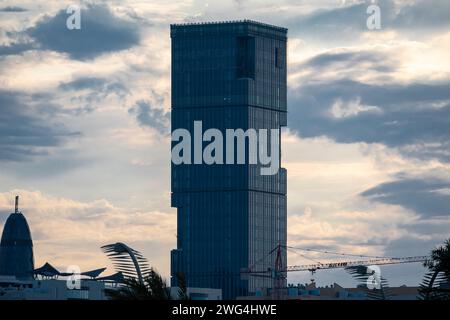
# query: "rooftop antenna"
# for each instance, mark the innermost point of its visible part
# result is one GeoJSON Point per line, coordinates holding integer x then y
{"type": "Point", "coordinates": [17, 205]}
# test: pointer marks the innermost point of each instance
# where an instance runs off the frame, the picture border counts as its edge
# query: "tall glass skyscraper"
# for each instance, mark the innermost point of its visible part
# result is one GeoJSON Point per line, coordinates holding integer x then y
{"type": "Point", "coordinates": [228, 75]}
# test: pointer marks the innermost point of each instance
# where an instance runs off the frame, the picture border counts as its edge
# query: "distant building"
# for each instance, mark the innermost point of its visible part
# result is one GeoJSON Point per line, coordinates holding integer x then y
{"type": "Point", "coordinates": [336, 292]}
{"type": "Point", "coordinates": [16, 247]}
{"type": "Point", "coordinates": [229, 75]}
{"type": "Point", "coordinates": [51, 289]}
{"type": "Point", "coordinates": [198, 293]}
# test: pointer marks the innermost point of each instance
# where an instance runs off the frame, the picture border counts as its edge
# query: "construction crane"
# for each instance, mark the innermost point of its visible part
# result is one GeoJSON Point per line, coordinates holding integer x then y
{"type": "Point", "coordinates": [345, 264]}
{"type": "Point", "coordinates": [278, 273]}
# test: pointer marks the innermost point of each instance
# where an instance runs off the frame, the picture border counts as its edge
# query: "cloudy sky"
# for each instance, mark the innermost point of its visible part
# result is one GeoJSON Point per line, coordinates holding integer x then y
{"type": "Point", "coordinates": [84, 127]}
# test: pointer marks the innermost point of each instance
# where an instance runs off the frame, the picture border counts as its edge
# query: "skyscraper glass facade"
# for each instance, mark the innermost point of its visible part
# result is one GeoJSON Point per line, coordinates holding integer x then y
{"type": "Point", "coordinates": [229, 75]}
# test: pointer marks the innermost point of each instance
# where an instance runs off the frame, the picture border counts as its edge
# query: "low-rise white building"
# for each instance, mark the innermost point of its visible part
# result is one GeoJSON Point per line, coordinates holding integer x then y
{"type": "Point", "coordinates": [51, 289]}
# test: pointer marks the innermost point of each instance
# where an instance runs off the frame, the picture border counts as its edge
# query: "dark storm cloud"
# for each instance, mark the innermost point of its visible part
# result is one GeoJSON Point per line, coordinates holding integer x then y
{"type": "Point", "coordinates": [16, 48]}
{"type": "Point", "coordinates": [348, 60]}
{"type": "Point", "coordinates": [437, 227]}
{"type": "Point", "coordinates": [404, 115]}
{"type": "Point", "coordinates": [427, 197]}
{"type": "Point", "coordinates": [330, 23]}
{"type": "Point", "coordinates": [149, 116]}
{"type": "Point", "coordinates": [89, 93]}
{"type": "Point", "coordinates": [325, 59]}
{"type": "Point", "coordinates": [12, 9]}
{"type": "Point", "coordinates": [24, 133]}
{"type": "Point", "coordinates": [347, 21]}
{"type": "Point", "coordinates": [101, 32]}
{"type": "Point", "coordinates": [411, 246]}
{"type": "Point", "coordinates": [428, 14]}
{"type": "Point", "coordinates": [94, 83]}
{"type": "Point", "coordinates": [83, 83]}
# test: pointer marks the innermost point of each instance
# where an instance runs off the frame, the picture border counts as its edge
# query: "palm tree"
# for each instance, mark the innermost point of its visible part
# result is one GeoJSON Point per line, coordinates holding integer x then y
{"type": "Point", "coordinates": [153, 287]}
{"type": "Point", "coordinates": [436, 283]}
{"type": "Point", "coordinates": [141, 282]}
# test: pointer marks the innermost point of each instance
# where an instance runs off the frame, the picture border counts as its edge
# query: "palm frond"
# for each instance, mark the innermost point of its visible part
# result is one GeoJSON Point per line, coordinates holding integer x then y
{"type": "Point", "coordinates": [435, 286]}
{"type": "Point", "coordinates": [130, 262]}
{"type": "Point", "coordinates": [182, 291]}
{"type": "Point", "coordinates": [380, 290]}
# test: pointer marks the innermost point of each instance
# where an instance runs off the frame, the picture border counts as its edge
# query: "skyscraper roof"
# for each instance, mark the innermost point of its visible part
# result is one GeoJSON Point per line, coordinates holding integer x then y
{"type": "Point", "coordinates": [221, 27]}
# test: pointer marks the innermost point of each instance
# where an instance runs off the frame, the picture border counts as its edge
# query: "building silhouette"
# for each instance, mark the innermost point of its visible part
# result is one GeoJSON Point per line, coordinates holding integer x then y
{"type": "Point", "coordinates": [16, 247]}
{"type": "Point", "coordinates": [228, 75]}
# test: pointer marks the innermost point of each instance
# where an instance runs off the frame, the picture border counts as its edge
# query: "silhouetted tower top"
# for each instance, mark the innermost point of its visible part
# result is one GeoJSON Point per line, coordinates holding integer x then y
{"type": "Point", "coordinates": [16, 246]}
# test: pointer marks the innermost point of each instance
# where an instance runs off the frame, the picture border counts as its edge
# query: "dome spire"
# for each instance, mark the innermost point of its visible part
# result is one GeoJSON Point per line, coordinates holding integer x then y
{"type": "Point", "coordinates": [17, 205]}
